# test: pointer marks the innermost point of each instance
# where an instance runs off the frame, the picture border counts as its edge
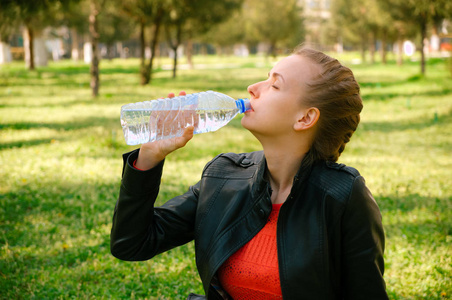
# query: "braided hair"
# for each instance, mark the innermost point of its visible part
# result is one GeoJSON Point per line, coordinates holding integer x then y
{"type": "Point", "coordinates": [335, 92]}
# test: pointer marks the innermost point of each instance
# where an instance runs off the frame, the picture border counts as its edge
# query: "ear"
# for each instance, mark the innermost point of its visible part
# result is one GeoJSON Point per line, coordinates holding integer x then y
{"type": "Point", "coordinates": [307, 119]}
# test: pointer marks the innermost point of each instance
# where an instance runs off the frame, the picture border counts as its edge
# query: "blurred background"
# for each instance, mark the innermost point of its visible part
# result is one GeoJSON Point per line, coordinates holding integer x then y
{"type": "Point", "coordinates": [90, 30]}
{"type": "Point", "coordinates": [67, 67]}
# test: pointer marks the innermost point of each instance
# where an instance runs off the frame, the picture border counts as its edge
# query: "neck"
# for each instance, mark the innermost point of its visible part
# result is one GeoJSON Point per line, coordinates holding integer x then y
{"type": "Point", "coordinates": [282, 168]}
{"type": "Point", "coordinates": [283, 163]}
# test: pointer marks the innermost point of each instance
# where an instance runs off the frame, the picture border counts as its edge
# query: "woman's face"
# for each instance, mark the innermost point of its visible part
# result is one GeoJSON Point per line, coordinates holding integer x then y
{"type": "Point", "coordinates": [277, 103]}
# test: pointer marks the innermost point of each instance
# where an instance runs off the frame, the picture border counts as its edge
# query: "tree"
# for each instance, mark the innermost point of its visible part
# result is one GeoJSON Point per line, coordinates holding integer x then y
{"type": "Point", "coordinates": [274, 28]}
{"type": "Point", "coordinates": [448, 15]}
{"type": "Point", "coordinates": [175, 20]}
{"type": "Point", "coordinates": [75, 18]}
{"type": "Point", "coordinates": [96, 7]}
{"type": "Point", "coordinates": [146, 13]}
{"type": "Point", "coordinates": [228, 33]}
{"type": "Point", "coordinates": [98, 18]}
{"type": "Point", "coordinates": [418, 14]}
{"type": "Point", "coordinates": [353, 20]}
{"type": "Point", "coordinates": [181, 19]}
{"type": "Point", "coordinates": [35, 15]}
{"type": "Point", "coordinates": [7, 27]}
{"type": "Point", "coordinates": [186, 18]}
{"type": "Point", "coordinates": [115, 26]}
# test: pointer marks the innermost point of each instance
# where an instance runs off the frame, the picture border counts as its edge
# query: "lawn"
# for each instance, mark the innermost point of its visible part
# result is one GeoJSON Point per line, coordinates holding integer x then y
{"type": "Point", "coordinates": [60, 155]}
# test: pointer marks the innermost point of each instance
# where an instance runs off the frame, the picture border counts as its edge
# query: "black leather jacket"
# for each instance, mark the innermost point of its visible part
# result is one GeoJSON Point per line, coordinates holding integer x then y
{"type": "Point", "coordinates": [330, 237]}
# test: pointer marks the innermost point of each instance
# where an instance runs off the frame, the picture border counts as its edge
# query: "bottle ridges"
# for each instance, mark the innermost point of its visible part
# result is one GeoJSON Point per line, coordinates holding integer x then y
{"type": "Point", "coordinates": [166, 118]}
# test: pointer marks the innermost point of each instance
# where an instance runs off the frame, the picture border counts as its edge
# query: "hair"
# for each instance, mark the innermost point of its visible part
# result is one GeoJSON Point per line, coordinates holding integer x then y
{"type": "Point", "coordinates": [335, 93]}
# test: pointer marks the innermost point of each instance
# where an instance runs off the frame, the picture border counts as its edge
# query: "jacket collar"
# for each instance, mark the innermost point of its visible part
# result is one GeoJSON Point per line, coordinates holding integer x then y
{"type": "Point", "coordinates": [303, 172]}
{"type": "Point", "coordinates": [260, 182]}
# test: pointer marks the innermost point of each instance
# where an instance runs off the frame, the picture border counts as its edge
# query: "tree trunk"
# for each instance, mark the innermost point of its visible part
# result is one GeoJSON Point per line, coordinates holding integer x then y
{"type": "Point", "coordinates": [30, 49]}
{"type": "Point", "coordinates": [175, 62]}
{"type": "Point", "coordinates": [383, 46]}
{"type": "Point", "coordinates": [363, 54]}
{"type": "Point", "coordinates": [272, 49]}
{"type": "Point", "coordinates": [110, 51]}
{"type": "Point", "coordinates": [372, 47]}
{"type": "Point", "coordinates": [174, 46]}
{"type": "Point", "coordinates": [94, 33]}
{"type": "Point", "coordinates": [450, 63]}
{"type": "Point", "coordinates": [189, 52]}
{"type": "Point", "coordinates": [154, 42]}
{"type": "Point", "coordinates": [399, 51]}
{"type": "Point", "coordinates": [144, 77]}
{"type": "Point", "coordinates": [423, 25]}
{"type": "Point", "coordinates": [363, 48]}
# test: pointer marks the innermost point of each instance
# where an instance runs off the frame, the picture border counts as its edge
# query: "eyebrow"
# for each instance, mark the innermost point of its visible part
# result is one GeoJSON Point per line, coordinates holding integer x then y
{"type": "Point", "coordinates": [275, 74]}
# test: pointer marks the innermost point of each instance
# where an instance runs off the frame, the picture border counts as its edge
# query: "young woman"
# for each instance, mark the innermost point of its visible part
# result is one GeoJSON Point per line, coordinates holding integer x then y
{"type": "Point", "coordinates": [287, 222]}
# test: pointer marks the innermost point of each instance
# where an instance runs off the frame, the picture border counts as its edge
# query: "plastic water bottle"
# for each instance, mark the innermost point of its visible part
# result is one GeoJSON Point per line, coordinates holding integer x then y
{"type": "Point", "coordinates": [154, 120]}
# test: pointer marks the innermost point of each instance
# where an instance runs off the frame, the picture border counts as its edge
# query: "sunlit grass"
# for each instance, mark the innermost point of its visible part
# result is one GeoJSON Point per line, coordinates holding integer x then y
{"type": "Point", "coordinates": [60, 152]}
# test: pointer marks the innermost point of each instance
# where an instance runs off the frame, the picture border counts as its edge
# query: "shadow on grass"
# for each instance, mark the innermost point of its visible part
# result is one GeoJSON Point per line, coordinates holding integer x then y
{"type": "Point", "coordinates": [104, 98]}
{"type": "Point", "coordinates": [418, 124]}
{"type": "Point", "coordinates": [67, 209]}
{"type": "Point", "coordinates": [383, 84]}
{"type": "Point", "coordinates": [387, 96]}
{"type": "Point", "coordinates": [85, 202]}
{"type": "Point", "coordinates": [222, 84]}
{"type": "Point", "coordinates": [77, 206]}
{"type": "Point", "coordinates": [407, 203]}
{"type": "Point", "coordinates": [108, 68]}
{"type": "Point", "coordinates": [28, 143]}
{"type": "Point", "coordinates": [429, 219]}
{"type": "Point", "coordinates": [63, 76]}
{"type": "Point", "coordinates": [67, 270]}
{"type": "Point", "coordinates": [66, 126]}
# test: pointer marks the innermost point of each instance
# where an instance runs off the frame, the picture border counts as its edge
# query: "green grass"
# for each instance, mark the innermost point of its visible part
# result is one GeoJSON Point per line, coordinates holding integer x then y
{"type": "Point", "coordinates": [60, 155]}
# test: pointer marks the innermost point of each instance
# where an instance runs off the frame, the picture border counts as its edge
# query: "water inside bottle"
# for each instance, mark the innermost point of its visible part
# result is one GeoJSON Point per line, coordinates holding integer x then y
{"type": "Point", "coordinates": [145, 125]}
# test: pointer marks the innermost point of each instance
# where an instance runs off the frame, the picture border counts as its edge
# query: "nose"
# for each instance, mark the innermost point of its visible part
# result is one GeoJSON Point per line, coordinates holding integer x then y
{"type": "Point", "coordinates": [253, 90]}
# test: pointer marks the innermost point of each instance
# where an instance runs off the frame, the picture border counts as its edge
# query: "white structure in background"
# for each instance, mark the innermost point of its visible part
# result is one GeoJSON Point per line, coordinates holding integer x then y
{"type": "Point", "coordinates": [435, 42]}
{"type": "Point", "coordinates": [46, 44]}
{"type": "Point", "coordinates": [5, 53]}
{"type": "Point", "coordinates": [87, 52]}
{"type": "Point", "coordinates": [241, 50]}
{"type": "Point", "coordinates": [55, 46]}
{"type": "Point", "coordinates": [316, 13]}
{"type": "Point", "coordinates": [147, 52]}
{"type": "Point", "coordinates": [180, 52]}
{"type": "Point", "coordinates": [39, 50]}
{"type": "Point", "coordinates": [409, 48]}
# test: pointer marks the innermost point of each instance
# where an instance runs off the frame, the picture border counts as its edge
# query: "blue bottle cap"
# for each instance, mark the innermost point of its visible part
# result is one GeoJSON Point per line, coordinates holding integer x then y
{"type": "Point", "coordinates": [243, 105]}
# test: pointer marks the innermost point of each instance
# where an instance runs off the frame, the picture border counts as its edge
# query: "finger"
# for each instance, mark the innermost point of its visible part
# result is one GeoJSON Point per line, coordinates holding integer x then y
{"type": "Point", "coordinates": [186, 136]}
{"type": "Point", "coordinates": [189, 130]}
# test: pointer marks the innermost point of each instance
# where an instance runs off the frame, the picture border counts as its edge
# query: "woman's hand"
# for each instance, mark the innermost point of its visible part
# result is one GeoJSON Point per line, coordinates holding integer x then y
{"type": "Point", "coordinates": [152, 153]}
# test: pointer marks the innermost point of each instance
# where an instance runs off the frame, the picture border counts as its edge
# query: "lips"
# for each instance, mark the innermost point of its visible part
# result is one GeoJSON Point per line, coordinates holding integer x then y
{"type": "Point", "coordinates": [251, 108]}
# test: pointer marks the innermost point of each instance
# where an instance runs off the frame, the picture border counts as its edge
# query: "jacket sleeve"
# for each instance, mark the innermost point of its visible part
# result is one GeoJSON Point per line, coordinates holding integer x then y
{"type": "Point", "coordinates": [139, 230]}
{"type": "Point", "coordinates": [362, 246]}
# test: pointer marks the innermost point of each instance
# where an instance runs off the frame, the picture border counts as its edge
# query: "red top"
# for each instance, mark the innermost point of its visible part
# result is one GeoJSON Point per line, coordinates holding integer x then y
{"type": "Point", "coordinates": [252, 272]}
